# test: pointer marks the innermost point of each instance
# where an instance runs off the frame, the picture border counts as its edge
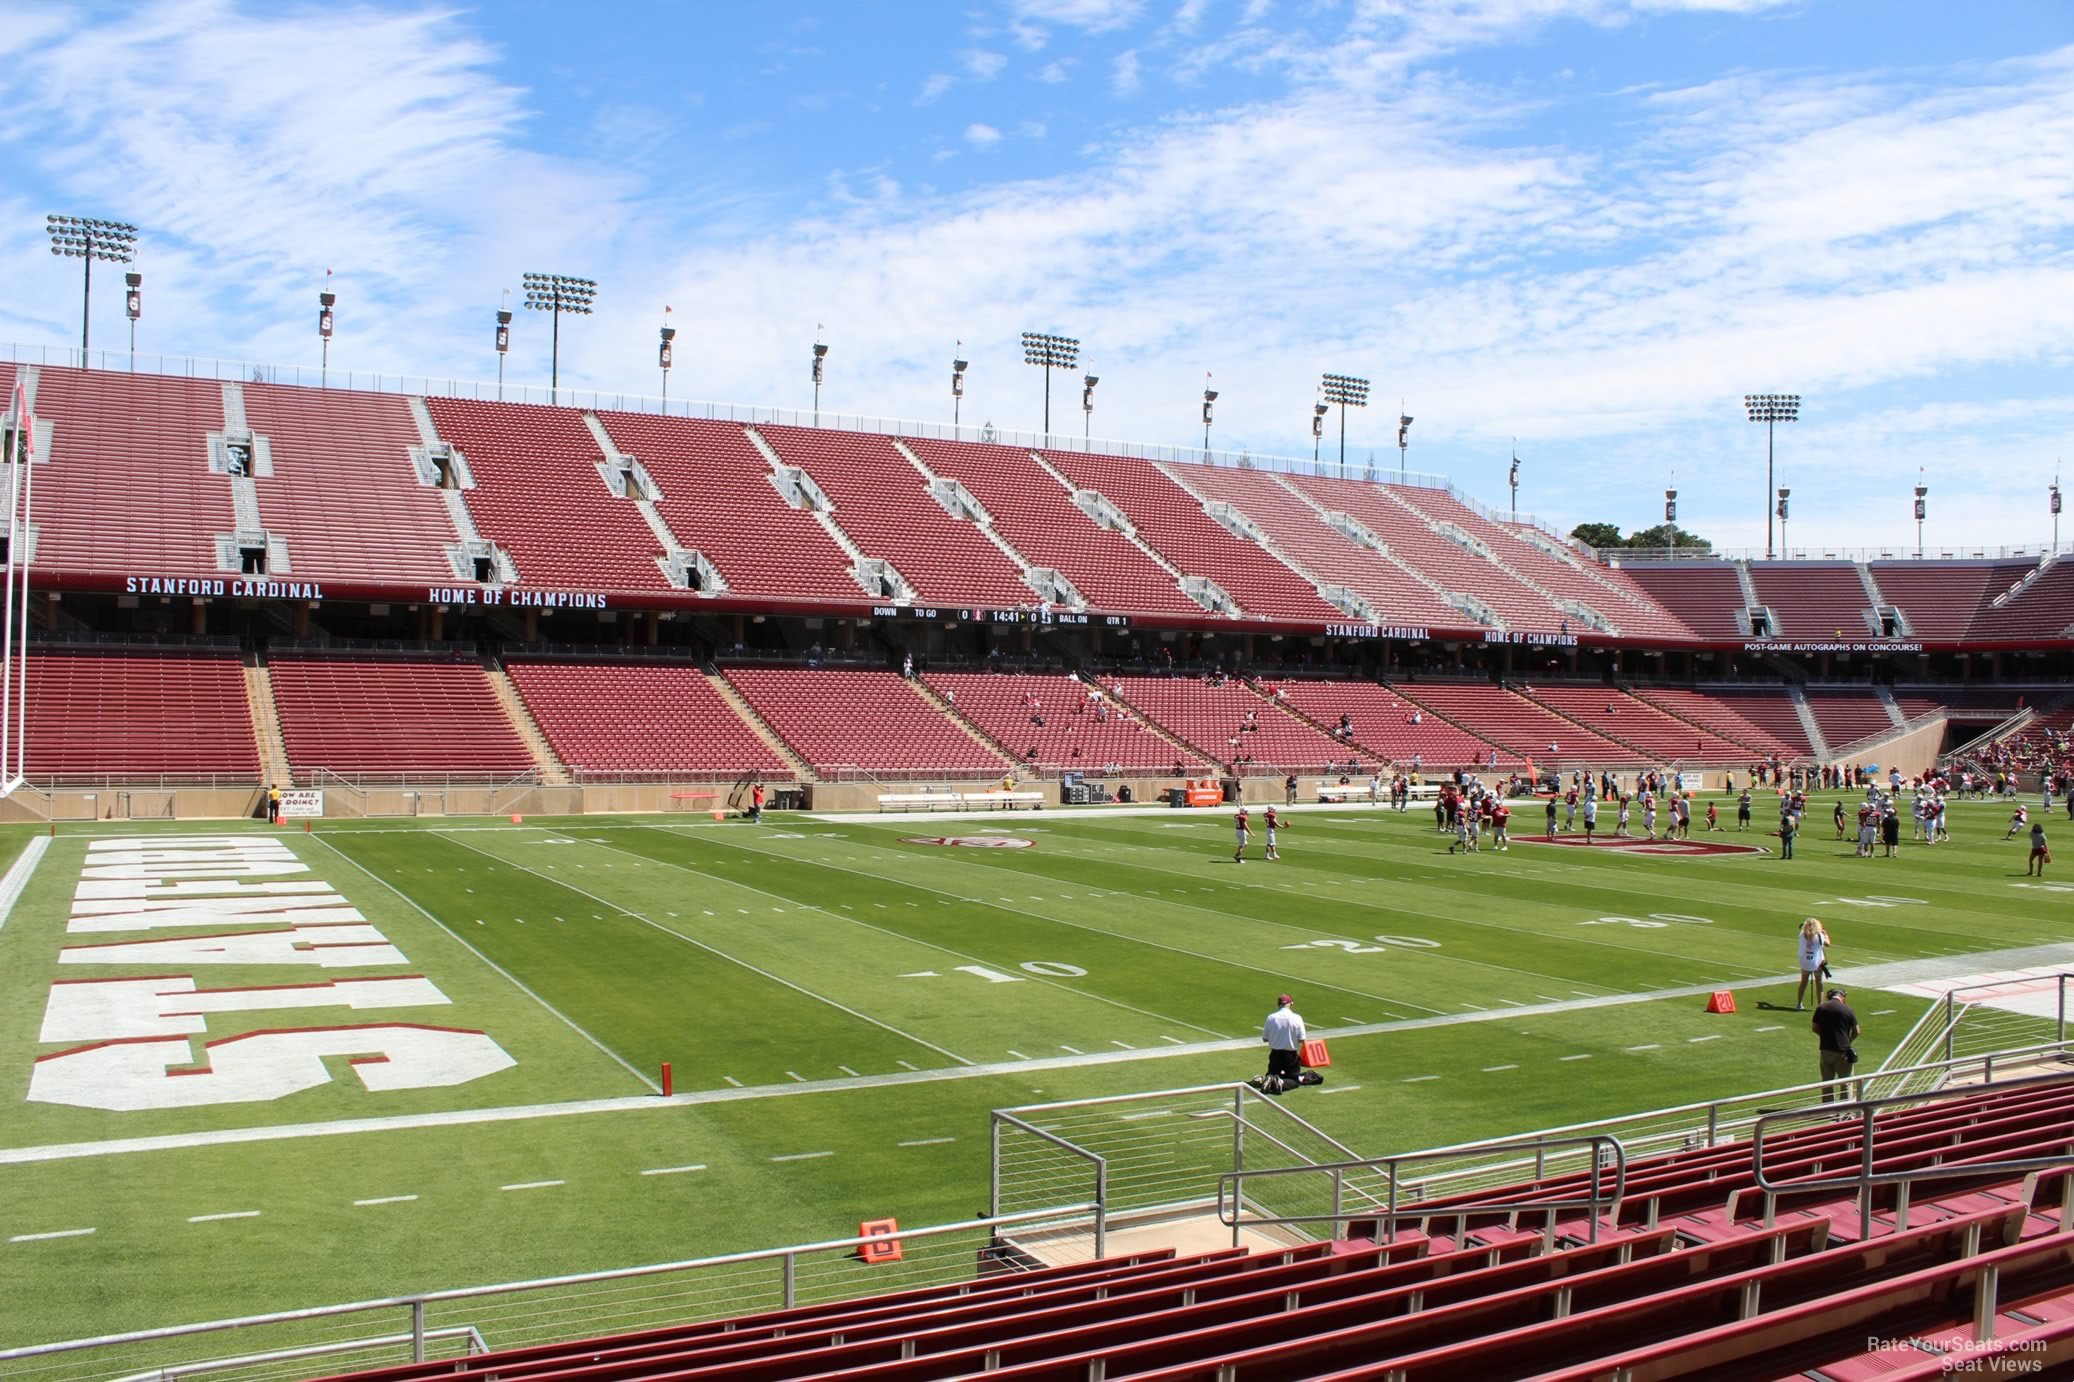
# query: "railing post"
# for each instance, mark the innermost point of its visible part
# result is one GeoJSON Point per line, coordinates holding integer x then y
{"type": "Point", "coordinates": [994, 1173]}
{"type": "Point", "coordinates": [1339, 1192]}
{"type": "Point", "coordinates": [791, 1279]}
{"type": "Point", "coordinates": [1948, 1005]}
{"type": "Point", "coordinates": [1713, 1123]}
{"type": "Point", "coordinates": [417, 1330]}
{"type": "Point", "coordinates": [1102, 1210]}
{"type": "Point", "coordinates": [2059, 1034]}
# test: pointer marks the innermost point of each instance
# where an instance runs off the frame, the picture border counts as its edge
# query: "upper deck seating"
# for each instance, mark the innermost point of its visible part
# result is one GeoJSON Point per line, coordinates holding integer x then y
{"type": "Point", "coordinates": [539, 496]}
{"type": "Point", "coordinates": [1941, 601]}
{"type": "Point", "coordinates": [884, 504]}
{"type": "Point", "coordinates": [2044, 609]}
{"type": "Point", "coordinates": [639, 717]}
{"type": "Point", "coordinates": [842, 718]}
{"type": "Point", "coordinates": [1813, 599]}
{"type": "Point", "coordinates": [343, 491]}
{"type": "Point", "coordinates": [718, 499]}
{"type": "Point", "coordinates": [1172, 522]}
{"type": "Point", "coordinates": [1704, 595]}
{"type": "Point", "coordinates": [1074, 735]}
{"type": "Point", "coordinates": [406, 716]}
{"type": "Point", "coordinates": [1039, 518]}
{"type": "Point", "coordinates": [127, 485]}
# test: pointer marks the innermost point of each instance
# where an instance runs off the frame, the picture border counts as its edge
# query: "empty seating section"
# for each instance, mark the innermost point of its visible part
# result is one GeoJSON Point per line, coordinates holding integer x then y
{"type": "Point", "coordinates": [842, 719]}
{"type": "Point", "coordinates": [1383, 510]}
{"type": "Point", "coordinates": [127, 485]}
{"type": "Point", "coordinates": [387, 716]}
{"type": "Point", "coordinates": [1628, 609]}
{"type": "Point", "coordinates": [1076, 734]}
{"type": "Point", "coordinates": [1331, 557]}
{"type": "Point", "coordinates": [173, 714]}
{"type": "Point", "coordinates": [1039, 518]}
{"type": "Point", "coordinates": [1704, 595]}
{"type": "Point", "coordinates": [1383, 728]}
{"type": "Point", "coordinates": [1722, 713]}
{"type": "Point", "coordinates": [1620, 716]}
{"type": "Point", "coordinates": [1690, 1275]}
{"type": "Point", "coordinates": [718, 499]}
{"type": "Point", "coordinates": [343, 491]}
{"type": "Point", "coordinates": [1211, 717]}
{"type": "Point", "coordinates": [1847, 714]}
{"type": "Point", "coordinates": [2045, 608]}
{"type": "Point", "coordinates": [1505, 717]}
{"type": "Point", "coordinates": [884, 504]}
{"type": "Point", "coordinates": [1811, 599]}
{"type": "Point", "coordinates": [639, 717]}
{"type": "Point", "coordinates": [1771, 710]}
{"type": "Point", "coordinates": [1942, 601]}
{"type": "Point", "coordinates": [1173, 523]}
{"type": "Point", "coordinates": [539, 496]}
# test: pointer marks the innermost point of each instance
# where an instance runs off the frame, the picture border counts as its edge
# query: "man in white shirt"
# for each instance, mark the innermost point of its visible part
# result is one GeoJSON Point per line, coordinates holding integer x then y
{"type": "Point", "coordinates": [1283, 1033]}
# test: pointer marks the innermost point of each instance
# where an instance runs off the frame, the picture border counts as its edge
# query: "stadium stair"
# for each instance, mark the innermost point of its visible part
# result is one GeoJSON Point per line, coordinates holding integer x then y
{"type": "Point", "coordinates": [1128, 533]}
{"type": "Point", "coordinates": [1521, 688]}
{"type": "Point", "coordinates": [1806, 715]}
{"type": "Point", "coordinates": [266, 722]}
{"type": "Point", "coordinates": [801, 769]}
{"type": "Point", "coordinates": [1185, 752]}
{"type": "Point", "coordinates": [1369, 540]}
{"type": "Point", "coordinates": [984, 521]}
{"type": "Point", "coordinates": [1331, 591]}
{"type": "Point", "coordinates": [1364, 701]}
{"type": "Point", "coordinates": [1719, 731]}
{"type": "Point", "coordinates": [1548, 619]}
{"type": "Point", "coordinates": [978, 735]}
{"type": "Point", "coordinates": [552, 771]}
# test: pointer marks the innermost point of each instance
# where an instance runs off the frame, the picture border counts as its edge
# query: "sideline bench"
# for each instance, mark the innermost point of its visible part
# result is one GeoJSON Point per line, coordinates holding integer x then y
{"type": "Point", "coordinates": [931, 801]}
{"type": "Point", "coordinates": [1358, 791]}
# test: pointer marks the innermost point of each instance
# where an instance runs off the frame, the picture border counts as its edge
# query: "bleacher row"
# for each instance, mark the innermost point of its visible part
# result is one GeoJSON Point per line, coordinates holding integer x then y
{"type": "Point", "coordinates": [126, 486]}
{"type": "Point", "coordinates": [1692, 1274]}
{"type": "Point", "coordinates": [186, 714]}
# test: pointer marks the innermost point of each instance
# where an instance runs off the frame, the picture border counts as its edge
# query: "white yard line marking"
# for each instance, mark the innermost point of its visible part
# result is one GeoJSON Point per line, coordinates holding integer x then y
{"type": "Point", "coordinates": [674, 1170]}
{"type": "Point", "coordinates": [847, 1071]}
{"type": "Point", "coordinates": [797, 1076]}
{"type": "Point", "coordinates": [1126, 1046]}
{"type": "Point", "coordinates": [929, 1142]}
{"type": "Point", "coordinates": [1474, 1008]}
{"type": "Point", "coordinates": [1149, 1113]}
{"type": "Point", "coordinates": [1074, 1049]}
{"type": "Point", "coordinates": [385, 1199]}
{"type": "Point", "coordinates": [1018, 1055]}
{"type": "Point", "coordinates": [733, 1081]}
{"type": "Point", "coordinates": [212, 1218]}
{"type": "Point", "coordinates": [11, 889]}
{"type": "Point", "coordinates": [1177, 1041]}
{"type": "Point", "coordinates": [1494, 1069]}
{"type": "Point", "coordinates": [909, 1064]}
{"type": "Point", "coordinates": [802, 1156]}
{"type": "Point", "coordinates": [46, 1237]}
{"type": "Point", "coordinates": [1417, 1079]}
{"type": "Point", "coordinates": [1773, 1028]}
{"type": "Point", "coordinates": [1340, 1089]}
{"type": "Point", "coordinates": [1652, 1046]}
{"type": "Point", "coordinates": [1711, 1036]}
{"type": "Point", "coordinates": [1586, 1056]}
{"type": "Point", "coordinates": [1884, 1012]}
{"type": "Point", "coordinates": [534, 1185]}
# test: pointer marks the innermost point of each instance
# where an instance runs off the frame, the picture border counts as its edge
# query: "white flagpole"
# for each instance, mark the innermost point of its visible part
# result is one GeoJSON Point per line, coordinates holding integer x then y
{"type": "Point", "coordinates": [21, 740]}
{"type": "Point", "coordinates": [14, 458]}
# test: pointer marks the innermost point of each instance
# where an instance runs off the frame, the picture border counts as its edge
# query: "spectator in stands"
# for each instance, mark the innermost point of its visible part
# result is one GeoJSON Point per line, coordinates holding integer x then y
{"type": "Point", "coordinates": [907, 666]}
{"type": "Point", "coordinates": [1836, 1029]}
{"type": "Point", "coordinates": [1284, 1034]}
{"type": "Point", "coordinates": [1814, 958]}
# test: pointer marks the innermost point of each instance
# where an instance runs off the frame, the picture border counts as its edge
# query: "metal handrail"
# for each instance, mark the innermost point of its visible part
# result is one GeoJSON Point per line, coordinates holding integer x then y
{"type": "Point", "coordinates": [172, 1372]}
{"type": "Point", "coordinates": [1952, 1018]}
{"type": "Point", "coordinates": [1605, 1152]}
{"type": "Point", "coordinates": [1865, 1177]}
{"type": "Point", "coordinates": [417, 1303]}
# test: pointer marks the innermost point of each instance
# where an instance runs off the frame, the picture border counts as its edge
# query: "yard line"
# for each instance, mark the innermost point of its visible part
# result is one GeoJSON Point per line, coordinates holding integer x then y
{"type": "Point", "coordinates": [212, 1218]}
{"type": "Point", "coordinates": [60, 1233]}
{"type": "Point", "coordinates": [673, 1170]}
{"type": "Point", "coordinates": [847, 1071]}
{"type": "Point", "coordinates": [1417, 1079]}
{"type": "Point", "coordinates": [909, 1064]}
{"type": "Point", "coordinates": [928, 1142]}
{"type": "Point", "coordinates": [1494, 1069]}
{"type": "Point", "coordinates": [385, 1199]}
{"type": "Point", "coordinates": [802, 1156]}
{"type": "Point", "coordinates": [1355, 1020]}
{"type": "Point", "coordinates": [733, 1081]}
{"type": "Point", "coordinates": [1773, 1028]}
{"type": "Point", "coordinates": [797, 1076]}
{"type": "Point", "coordinates": [1473, 1007]}
{"type": "Point", "coordinates": [1885, 1012]}
{"type": "Point", "coordinates": [1340, 1089]}
{"type": "Point", "coordinates": [1149, 1113]}
{"type": "Point", "coordinates": [509, 977]}
{"type": "Point", "coordinates": [534, 1185]}
{"type": "Point", "coordinates": [1125, 1045]}
{"type": "Point", "coordinates": [1652, 1046]}
{"type": "Point", "coordinates": [11, 891]}
{"type": "Point", "coordinates": [1018, 1055]}
{"type": "Point", "coordinates": [1585, 1056]}
{"type": "Point", "coordinates": [774, 978]}
{"type": "Point", "coordinates": [1711, 1036]}
{"type": "Point", "coordinates": [1074, 1049]}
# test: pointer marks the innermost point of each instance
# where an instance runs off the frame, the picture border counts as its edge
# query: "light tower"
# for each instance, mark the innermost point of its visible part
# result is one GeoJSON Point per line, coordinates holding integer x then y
{"type": "Point", "coordinates": [1403, 438]}
{"type": "Point", "coordinates": [1671, 513]}
{"type": "Point", "coordinates": [1049, 352]}
{"type": "Point", "coordinates": [820, 372]}
{"type": "Point", "coordinates": [1318, 412]}
{"type": "Point", "coordinates": [2055, 513]}
{"type": "Point", "coordinates": [1784, 494]}
{"type": "Point", "coordinates": [327, 320]}
{"type": "Point", "coordinates": [1347, 391]}
{"type": "Point", "coordinates": [958, 367]}
{"type": "Point", "coordinates": [1770, 409]}
{"type": "Point", "coordinates": [1922, 510]}
{"type": "Point", "coordinates": [1209, 402]}
{"type": "Point", "coordinates": [1512, 480]}
{"type": "Point", "coordinates": [664, 354]}
{"type": "Point", "coordinates": [87, 238]}
{"type": "Point", "coordinates": [556, 294]}
{"type": "Point", "coordinates": [133, 308]}
{"type": "Point", "coordinates": [1087, 406]}
{"type": "Point", "coordinates": [503, 342]}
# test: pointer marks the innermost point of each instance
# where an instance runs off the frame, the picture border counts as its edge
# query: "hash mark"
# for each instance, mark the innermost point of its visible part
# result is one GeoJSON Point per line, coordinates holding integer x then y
{"type": "Point", "coordinates": [212, 1218]}
{"type": "Point", "coordinates": [910, 1066]}
{"type": "Point", "coordinates": [1074, 1049]}
{"type": "Point", "coordinates": [1415, 1079]}
{"type": "Point", "coordinates": [1773, 1028]}
{"type": "Point", "coordinates": [732, 1080]}
{"type": "Point", "coordinates": [929, 1142]}
{"type": "Point", "coordinates": [673, 1170]}
{"type": "Point", "coordinates": [46, 1237]}
{"type": "Point", "coordinates": [385, 1199]}
{"type": "Point", "coordinates": [802, 1156]}
{"type": "Point", "coordinates": [1652, 1046]}
{"type": "Point", "coordinates": [1494, 1069]}
{"type": "Point", "coordinates": [1018, 1055]}
{"type": "Point", "coordinates": [847, 1071]}
{"type": "Point", "coordinates": [1711, 1036]}
{"type": "Point", "coordinates": [533, 1185]}
{"type": "Point", "coordinates": [1586, 1056]}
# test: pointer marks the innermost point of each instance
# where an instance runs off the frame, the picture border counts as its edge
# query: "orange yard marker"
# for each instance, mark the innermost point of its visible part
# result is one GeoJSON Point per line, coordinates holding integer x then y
{"type": "Point", "coordinates": [1722, 1001]}
{"type": "Point", "coordinates": [887, 1249]}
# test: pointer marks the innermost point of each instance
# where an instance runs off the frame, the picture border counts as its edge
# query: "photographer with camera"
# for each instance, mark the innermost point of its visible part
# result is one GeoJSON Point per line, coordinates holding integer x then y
{"type": "Point", "coordinates": [1836, 1026]}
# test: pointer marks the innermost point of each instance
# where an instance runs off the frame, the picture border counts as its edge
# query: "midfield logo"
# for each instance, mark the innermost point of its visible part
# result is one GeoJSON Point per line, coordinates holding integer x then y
{"type": "Point", "coordinates": [1685, 848]}
{"type": "Point", "coordinates": [970, 841]}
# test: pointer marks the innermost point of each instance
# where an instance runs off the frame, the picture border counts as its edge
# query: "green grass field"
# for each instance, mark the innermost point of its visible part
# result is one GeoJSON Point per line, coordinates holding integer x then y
{"type": "Point", "coordinates": [841, 1006]}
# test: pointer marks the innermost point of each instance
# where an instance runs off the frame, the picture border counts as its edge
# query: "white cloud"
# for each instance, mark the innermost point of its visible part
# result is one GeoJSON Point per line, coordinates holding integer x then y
{"type": "Point", "coordinates": [1053, 72]}
{"type": "Point", "coordinates": [934, 86]}
{"type": "Point", "coordinates": [1123, 73]}
{"type": "Point", "coordinates": [982, 65]}
{"type": "Point", "coordinates": [1031, 129]}
{"type": "Point", "coordinates": [982, 136]}
{"type": "Point", "coordinates": [1094, 16]}
{"type": "Point", "coordinates": [1189, 13]}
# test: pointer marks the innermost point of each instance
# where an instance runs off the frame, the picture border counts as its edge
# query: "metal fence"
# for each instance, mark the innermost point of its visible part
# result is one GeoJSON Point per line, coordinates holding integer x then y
{"type": "Point", "coordinates": [445, 1324]}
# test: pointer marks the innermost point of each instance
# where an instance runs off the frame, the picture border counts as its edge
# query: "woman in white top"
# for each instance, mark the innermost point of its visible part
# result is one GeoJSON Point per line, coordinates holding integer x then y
{"type": "Point", "coordinates": [1814, 953]}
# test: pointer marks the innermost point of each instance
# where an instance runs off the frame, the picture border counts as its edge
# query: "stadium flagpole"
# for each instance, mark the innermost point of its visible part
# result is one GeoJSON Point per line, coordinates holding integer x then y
{"type": "Point", "coordinates": [21, 738]}
{"type": "Point", "coordinates": [14, 451]}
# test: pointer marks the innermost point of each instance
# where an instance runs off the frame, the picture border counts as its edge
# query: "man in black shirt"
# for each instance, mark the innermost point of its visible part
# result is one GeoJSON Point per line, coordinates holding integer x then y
{"type": "Point", "coordinates": [1836, 1028]}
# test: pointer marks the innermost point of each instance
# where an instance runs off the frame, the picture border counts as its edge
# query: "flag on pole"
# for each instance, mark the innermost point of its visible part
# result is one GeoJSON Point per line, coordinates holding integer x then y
{"type": "Point", "coordinates": [24, 425]}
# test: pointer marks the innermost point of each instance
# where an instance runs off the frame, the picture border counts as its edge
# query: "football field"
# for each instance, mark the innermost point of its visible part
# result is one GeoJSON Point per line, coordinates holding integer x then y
{"type": "Point", "coordinates": [245, 1070]}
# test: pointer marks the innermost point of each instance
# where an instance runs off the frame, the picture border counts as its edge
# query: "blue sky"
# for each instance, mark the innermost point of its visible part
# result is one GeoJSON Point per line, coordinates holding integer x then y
{"type": "Point", "coordinates": [1588, 224]}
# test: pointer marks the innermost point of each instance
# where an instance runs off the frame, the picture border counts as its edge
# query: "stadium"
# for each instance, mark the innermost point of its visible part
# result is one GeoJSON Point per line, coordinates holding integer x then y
{"type": "Point", "coordinates": [536, 881]}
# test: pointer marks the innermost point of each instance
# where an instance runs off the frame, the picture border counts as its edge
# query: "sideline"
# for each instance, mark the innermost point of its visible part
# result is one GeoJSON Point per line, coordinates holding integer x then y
{"type": "Point", "coordinates": [18, 877]}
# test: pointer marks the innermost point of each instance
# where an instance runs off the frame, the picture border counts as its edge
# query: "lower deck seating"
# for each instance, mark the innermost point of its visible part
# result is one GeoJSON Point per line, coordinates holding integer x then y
{"type": "Point", "coordinates": [1060, 724]}
{"type": "Point", "coordinates": [639, 717]}
{"type": "Point", "coordinates": [844, 719]}
{"type": "Point", "coordinates": [135, 713]}
{"type": "Point", "coordinates": [1620, 716]}
{"type": "Point", "coordinates": [1387, 726]}
{"type": "Point", "coordinates": [1522, 727]}
{"type": "Point", "coordinates": [402, 716]}
{"type": "Point", "coordinates": [1232, 724]}
{"type": "Point", "coordinates": [1849, 714]}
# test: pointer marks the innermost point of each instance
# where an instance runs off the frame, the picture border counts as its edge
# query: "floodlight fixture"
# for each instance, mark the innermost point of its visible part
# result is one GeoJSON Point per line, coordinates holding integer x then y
{"type": "Point", "coordinates": [1209, 403]}
{"type": "Point", "coordinates": [1771, 409]}
{"type": "Point", "coordinates": [503, 339]}
{"type": "Point", "coordinates": [958, 367]}
{"type": "Point", "coordinates": [87, 238]}
{"type": "Point", "coordinates": [327, 321]}
{"type": "Point", "coordinates": [1087, 405]}
{"type": "Point", "coordinates": [1784, 512]}
{"type": "Point", "coordinates": [1318, 412]}
{"type": "Point", "coordinates": [556, 294]}
{"type": "Point", "coordinates": [1403, 437]}
{"type": "Point", "coordinates": [1671, 513]}
{"type": "Point", "coordinates": [1348, 392]}
{"type": "Point", "coordinates": [1512, 480]}
{"type": "Point", "coordinates": [664, 353]}
{"type": "Point", "coordinates": [1050, 352]}
{"type": "Point", "coordinates": [2054, 495]}
{"type": "Point", "coordinates": [133, 308]}
{"type": "Point", "coordinates": [820, 371]}
{"type": "Point", "coordinates": [1922, 510]}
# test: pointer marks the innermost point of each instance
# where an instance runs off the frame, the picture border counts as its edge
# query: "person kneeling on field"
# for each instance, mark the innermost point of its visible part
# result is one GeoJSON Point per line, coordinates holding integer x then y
{"type": "Point", "coordinates": [1284, 1034]}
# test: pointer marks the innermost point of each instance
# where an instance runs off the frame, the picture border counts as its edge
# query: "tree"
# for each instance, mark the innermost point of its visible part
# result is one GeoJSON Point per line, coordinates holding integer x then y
{"type": "Point", "coordinates": [1598, 534]}
{"type": "Point", "coordinates": [1668, 535]}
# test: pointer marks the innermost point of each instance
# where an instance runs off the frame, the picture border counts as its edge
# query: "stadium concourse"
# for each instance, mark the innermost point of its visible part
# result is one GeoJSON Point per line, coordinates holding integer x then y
{"type": "Point", "coordinates": [514, 675]}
